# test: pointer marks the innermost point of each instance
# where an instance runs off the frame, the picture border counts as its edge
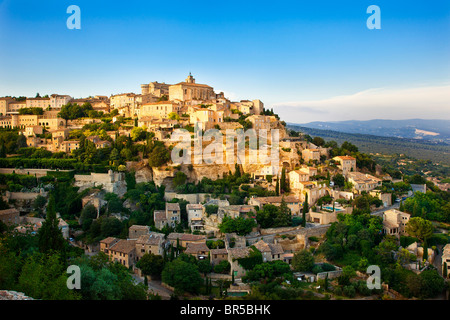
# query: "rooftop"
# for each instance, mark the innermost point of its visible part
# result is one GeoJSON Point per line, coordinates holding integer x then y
{"type": "Point", "coordinates": [185, 236]}
{"type": "Point", "coordinates": [196, 248]}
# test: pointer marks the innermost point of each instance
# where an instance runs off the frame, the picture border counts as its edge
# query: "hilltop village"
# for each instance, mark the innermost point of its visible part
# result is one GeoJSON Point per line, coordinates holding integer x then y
{"type": "Point", "coordinates": [100, 171]}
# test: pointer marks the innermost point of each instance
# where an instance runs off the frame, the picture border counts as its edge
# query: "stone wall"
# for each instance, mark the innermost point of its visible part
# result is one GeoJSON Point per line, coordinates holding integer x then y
{"type": "Point", "coordinates": [278, 230]}
{"type": "Point", "coordinates": [191, 197]}
{"type": "Point", "coordinates": [28, 171]}
{"type": "Point", "coordinates": [112, 182]}
{"type": "Point", "coordinates": [331, 274]}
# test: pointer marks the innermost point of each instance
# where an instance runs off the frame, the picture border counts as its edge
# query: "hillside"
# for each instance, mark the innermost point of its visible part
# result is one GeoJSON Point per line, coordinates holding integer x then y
{"type": "Point", "coordinates": [420, 149]}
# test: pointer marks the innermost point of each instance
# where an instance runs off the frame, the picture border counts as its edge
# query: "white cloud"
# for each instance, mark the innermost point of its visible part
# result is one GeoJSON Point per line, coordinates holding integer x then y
{"type": "Point", "coordinates": [432, 102]}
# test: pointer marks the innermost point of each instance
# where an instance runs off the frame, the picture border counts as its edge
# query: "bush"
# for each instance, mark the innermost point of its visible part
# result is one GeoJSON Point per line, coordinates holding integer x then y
{"type": "Point", "coordinates": [303, 261]}
{"type": "Point", "coordinates": [349, 291]}
{"type": "Point", "coordinates": [223, 267]}
{"type": "Point", "coordinates": [328, 267]}
{"type": "Point", "coordinates": [317, 269]}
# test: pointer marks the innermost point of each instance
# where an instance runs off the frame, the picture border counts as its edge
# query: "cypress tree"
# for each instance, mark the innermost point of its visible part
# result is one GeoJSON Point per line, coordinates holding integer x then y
{"type": "Point", "coordinates": [425, 250]}
{"type": "Point", "coordinates": [237, 172]}
{"type": "Point", "coordinates": [305, 209]}
{"type": "Point", "coordinates": [49, 235]}
{"type": "Point", "coordinates": [277, 188]}
{"type": "Point", "coordinates": [283, 181]}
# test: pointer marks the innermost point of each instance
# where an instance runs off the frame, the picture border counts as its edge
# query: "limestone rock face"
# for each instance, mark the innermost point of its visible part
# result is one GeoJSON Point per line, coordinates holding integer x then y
{"type": "Point", "coordinates": [143, 173]}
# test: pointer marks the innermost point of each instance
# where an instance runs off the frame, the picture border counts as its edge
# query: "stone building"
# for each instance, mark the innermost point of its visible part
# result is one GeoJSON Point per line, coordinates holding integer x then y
{"type": "Point", "coordinates": [9, 216]}
{"type": "Point", "coordinates": [218, 255]}
{"type": "Point", "coordinates": [311, 155]}
{"type": "Point", "coordinates": [195, 216]}
{"type": "Point", "coordinates": [346, 164]}
{"type": "Point", "coordinates": [394, 222]}
{"type": "Point", "coordinates": [119, 250]}
{"type": "Point", "coordinates": [199, 250]}
{"type": "Point", "coordinates": [135, 231]}
{"type": "Point", "coordinates": [171, 215]}
{"type": "Point", "coordinates": [152, 242]}
{"type": "Point", "coordinates": [184, 239]}
{"type": "Point", "coordinates": [270, 251]}
{"type": "Point", "coordinates": [292, 202]}
{"type": "Point", "coordinates": [113, 182]}
{"type": "Point", "coordinates": [159, 110]}
{"type": "Point", "coordinates": [155, 88]}
{"type": "Point", "coordinates": [446, 260]}
{"type": "Point", "coordinates": [363, 181]}
{"type": "Point", "coordinates": [189, 90]}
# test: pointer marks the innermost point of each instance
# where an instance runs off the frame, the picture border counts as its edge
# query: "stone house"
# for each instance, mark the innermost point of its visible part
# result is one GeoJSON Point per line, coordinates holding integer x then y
{"type": "Point", "coordinates": [9, 216]}
{"type": "Point", "coordinates": [394, 222]}
{"type": "Point", "coordinates": [218, 255]}
{"type": "Point", "coordinates": [151, 242]}
{"type": "Point", "coordinates": [363, 182]}
{"type": "Point", "coordinates": [195, 216]}
{"type": "Point", "coordinates": [233, 255]}
{"type": "Point", "coordinates": [311, 155]}
{"type": "Point", "coordinates": [171, 215]}
{"type": "Point", "coordinates": [120, 250]}
{"type": "Point", "coordinates": [296, 177]}
{"type": "Point", "coordinates": [199, 250]}
{"type": "Point", "coordinates": [270, 251]}
{"type": "Point", "coordinates": [346, 164]}
{"type": "Point", "coordinates": [292, 202]}
{"type": "Point", "coordinates": [184, 239]}
{"type": "Point", "coordinates": [135, 231]}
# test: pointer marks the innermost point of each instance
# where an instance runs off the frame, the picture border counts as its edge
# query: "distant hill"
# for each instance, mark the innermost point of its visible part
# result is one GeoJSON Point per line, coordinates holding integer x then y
{"type": "Point", "coordinates": [435, 151]}
{"type": "Point", "coordinates": [433, 130]}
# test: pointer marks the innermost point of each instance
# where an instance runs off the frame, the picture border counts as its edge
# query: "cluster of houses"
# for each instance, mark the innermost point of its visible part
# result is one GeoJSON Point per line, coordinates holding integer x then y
{"type": "Point", "coordinates": [24, 224]}
{"type": "Point", "coordinates": [141, 241]}
{"type": "Point", "coordinates": [160, 108]}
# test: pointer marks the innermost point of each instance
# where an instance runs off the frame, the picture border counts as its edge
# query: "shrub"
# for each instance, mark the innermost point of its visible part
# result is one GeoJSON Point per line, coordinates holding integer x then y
{"type": "Point", "coordinates": [349, 291]}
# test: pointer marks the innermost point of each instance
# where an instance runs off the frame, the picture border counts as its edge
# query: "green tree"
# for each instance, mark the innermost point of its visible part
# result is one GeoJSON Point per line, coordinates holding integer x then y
{"type": "Point", "coordinates": [88, 214]}
{"type": "Point", "coordinates": [151, 265]}
{"type": "Point", "coordinates": [183, 276]}
{"type": "Point", "coordinates": [179, 179]}
{"type": "Point", "coordinates": [240, 225]}
{"type": "Point", "coordinates": [432, 283]}
{"type": "Point", "coordinates": [339, 180]}
{"type": "Point", "coordinates": [420, 228]}
{"type": "Point", "coordinates": [204, 266]}
{"type": "Point", "coordinates": [158, 154]}
{"type": "Point", "coordinates": [39, 203]}
{"type": "Point", "coordinates": [44, 277]}
{"type": "Point", "coordinates": [49, 235]}
{"type": "Point", "coordinates": [305, 210]}
{"type": "Point", "coordinates": [303, 261]}
{"type": "Point", "coordinates": [283, 185]}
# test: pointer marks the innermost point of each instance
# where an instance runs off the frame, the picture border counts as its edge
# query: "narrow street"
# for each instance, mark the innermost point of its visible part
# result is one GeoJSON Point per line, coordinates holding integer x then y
{"type": "Point", "coordinates": [155, 287]}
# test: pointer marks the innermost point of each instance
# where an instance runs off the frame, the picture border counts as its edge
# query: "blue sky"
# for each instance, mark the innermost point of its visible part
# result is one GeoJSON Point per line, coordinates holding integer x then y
{"type": "Point", "coordinates": [309, 60]}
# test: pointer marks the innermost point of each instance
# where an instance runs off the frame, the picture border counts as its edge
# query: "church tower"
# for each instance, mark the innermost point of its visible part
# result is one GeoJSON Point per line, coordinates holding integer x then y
{"type": "Point", "coordinates": [190, 79]}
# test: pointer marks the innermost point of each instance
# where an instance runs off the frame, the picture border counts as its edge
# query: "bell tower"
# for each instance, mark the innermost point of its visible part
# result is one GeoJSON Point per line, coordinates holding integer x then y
{"type": "Point", "coordinates": [190, 79]}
